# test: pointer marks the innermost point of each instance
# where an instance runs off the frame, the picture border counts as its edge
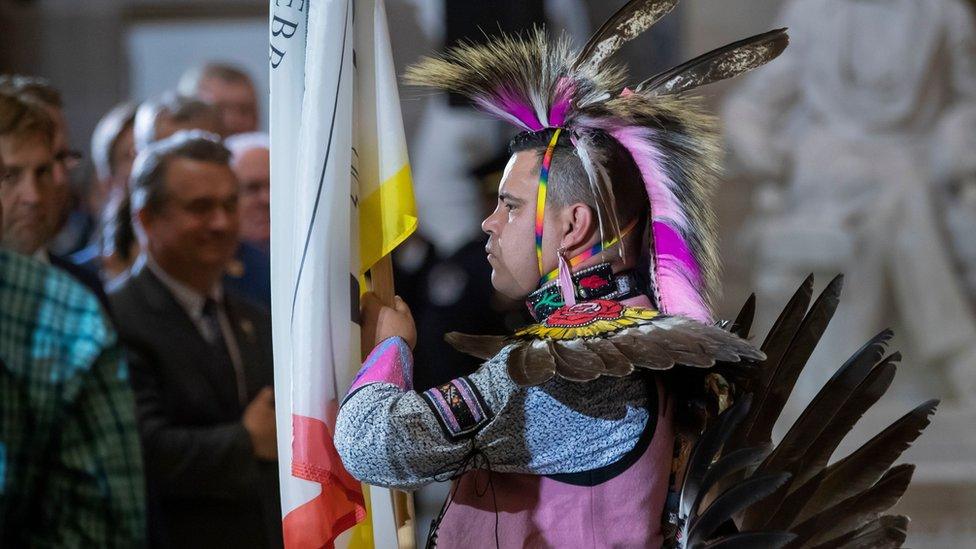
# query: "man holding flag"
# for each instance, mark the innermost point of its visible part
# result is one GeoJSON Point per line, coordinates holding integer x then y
{"type": "Point", "coordinates": [565, 436]}
{"type": "Point", "coordinates": [611, 437]}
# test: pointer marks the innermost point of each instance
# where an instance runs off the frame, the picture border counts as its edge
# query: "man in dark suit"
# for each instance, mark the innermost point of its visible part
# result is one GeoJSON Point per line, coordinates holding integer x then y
{"type": "Point", "coordinates": [200, 357]}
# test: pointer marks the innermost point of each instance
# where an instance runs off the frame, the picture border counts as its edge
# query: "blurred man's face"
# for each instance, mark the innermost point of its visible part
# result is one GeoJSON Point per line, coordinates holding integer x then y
{"type": "Point", "coordinates": [196, 228]}
{"type": "Point", "coordinates": [236, 102]}
{"type": "Point", "coordinates": [28, 193]}
{"type": "Point", "coordinates": [511, 230]}
{"type": "Point", "coordinates": [253, 169]}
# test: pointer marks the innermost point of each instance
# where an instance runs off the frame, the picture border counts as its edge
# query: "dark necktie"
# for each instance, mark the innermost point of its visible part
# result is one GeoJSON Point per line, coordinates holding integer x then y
{"type": "Point", "coordinates": [218, 344]}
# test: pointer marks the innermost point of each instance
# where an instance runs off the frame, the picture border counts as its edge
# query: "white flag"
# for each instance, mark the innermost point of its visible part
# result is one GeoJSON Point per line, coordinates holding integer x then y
{"type": "Point", "coordinates": [340, 177]}
{"type": "Point", "coordinates": [313, 282]}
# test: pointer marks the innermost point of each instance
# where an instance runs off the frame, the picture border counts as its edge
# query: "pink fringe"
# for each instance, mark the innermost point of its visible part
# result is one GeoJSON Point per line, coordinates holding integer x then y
{"type": "Point", "coordinates": [677, 272]}
{"type": "Point", "coordinates": [648, 158]}
{"type": "Point", "coordinates": [507, 105]}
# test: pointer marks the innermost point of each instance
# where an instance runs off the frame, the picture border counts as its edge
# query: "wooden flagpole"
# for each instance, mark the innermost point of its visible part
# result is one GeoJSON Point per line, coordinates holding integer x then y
{"type": "Point", "coordinates": [381, 279]}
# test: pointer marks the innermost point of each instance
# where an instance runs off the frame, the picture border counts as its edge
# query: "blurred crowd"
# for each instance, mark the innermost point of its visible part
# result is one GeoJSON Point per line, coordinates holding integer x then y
{"type": "Point", "coordinates": [136, 384]}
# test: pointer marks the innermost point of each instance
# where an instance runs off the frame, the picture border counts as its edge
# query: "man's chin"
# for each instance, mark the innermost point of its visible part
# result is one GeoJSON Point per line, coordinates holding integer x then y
{"type": "Point", "coordinates": [507, 287]}
{"type": "Point", "coordinates": [213, 259]}
{"type": "Point", "coordinates": [19, 243]}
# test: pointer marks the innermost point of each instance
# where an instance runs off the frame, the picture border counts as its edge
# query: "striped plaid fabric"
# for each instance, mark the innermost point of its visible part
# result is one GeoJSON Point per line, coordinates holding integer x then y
{"type": "Point", "coordinates": [70, 462]}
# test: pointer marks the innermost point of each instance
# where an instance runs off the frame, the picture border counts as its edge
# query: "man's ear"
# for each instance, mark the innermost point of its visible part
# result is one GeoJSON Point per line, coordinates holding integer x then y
{"type": "Point", "coordinates": [580, 223]}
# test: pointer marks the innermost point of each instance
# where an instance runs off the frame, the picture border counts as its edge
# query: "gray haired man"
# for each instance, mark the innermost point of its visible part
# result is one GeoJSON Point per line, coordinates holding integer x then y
{"type": "Point", "coordinates": [200, 356]}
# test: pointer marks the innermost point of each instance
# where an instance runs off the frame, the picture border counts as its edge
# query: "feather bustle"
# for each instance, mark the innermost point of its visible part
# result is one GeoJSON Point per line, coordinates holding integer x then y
{"type": "Point", "coordinates": [886, 532]}
{"type": "Point", "coordinates": [808, 468]}
{"type": "Point", "coordinates": [730, 502]}
{"type": "Point", "coordinates": [752, 540]}
{"type": "Point", "coordinates": [784, 374]}
{"type": "Point", "coordinates": [868, 463]}
{"type": "Point", "coordinates": [478, 346]}
{"type": "Point", "coordinates": [856, 511]}
{"type": "Point", "coordinates": [615, 362]}
{"type": "Point", "coordinates": [575, 362]}
{"type": "Point", "coordinates": [838, 404]}
{"type": "Point", "coordinates": [742, 325]}
{"type": "Point", "coordinates": [837, 506]}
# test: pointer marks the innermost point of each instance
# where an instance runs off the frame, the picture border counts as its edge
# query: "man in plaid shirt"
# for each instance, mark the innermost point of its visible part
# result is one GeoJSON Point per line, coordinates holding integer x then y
{"type": "Point", "coordinates": [70, 463]}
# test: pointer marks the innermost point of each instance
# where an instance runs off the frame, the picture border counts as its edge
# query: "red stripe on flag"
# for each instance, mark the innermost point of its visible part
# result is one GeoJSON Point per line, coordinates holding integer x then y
{"type": "Point", "coordinates": [339, 506]}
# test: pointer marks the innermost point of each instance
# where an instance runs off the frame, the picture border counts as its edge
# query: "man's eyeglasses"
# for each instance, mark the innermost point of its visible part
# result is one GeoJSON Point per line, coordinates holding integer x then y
{"type": "Point", "coordinates": [70, 159]}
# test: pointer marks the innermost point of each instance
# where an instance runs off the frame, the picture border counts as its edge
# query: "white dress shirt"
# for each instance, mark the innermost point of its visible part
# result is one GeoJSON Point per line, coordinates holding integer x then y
{"type": "Point", "coordinates": [193, 302]}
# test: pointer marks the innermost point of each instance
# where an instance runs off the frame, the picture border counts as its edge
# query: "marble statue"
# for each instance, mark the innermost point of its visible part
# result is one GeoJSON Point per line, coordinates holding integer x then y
{"type": "Point", "coordinates": [863, 136]}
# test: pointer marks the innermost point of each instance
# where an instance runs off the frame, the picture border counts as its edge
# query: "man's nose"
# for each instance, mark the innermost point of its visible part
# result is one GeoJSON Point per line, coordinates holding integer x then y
{"type": "Point", "coordinates": [488, 225]}
{"type": "Point", "coordinates": [222, 219]}
{"type": "Point", "coordinates": [59, 173]}
{"type": "Point", "coordinates": [30, 191]}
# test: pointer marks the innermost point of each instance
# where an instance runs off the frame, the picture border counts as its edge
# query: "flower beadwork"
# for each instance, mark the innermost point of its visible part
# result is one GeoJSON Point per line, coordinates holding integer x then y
{"type": "Point", "coordinates": [599, 317]}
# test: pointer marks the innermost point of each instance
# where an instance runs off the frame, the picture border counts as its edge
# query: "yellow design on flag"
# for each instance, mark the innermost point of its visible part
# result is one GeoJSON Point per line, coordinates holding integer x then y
{"type": "Point", "coordinates": [382, 184]}
{"type": "Point", "coordinates": [386, 218]}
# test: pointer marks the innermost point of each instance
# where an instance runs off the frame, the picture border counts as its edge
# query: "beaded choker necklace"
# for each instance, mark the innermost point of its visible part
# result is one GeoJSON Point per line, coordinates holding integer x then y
{"type": "Point", "coordinates": [596, 282]}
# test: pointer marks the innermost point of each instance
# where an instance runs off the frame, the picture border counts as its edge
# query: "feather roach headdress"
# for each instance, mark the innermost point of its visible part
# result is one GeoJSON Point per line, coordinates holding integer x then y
{"type": "Point", "coordinates": [541, 84]}
{"type": "Point", "coordinates": [734, 478]}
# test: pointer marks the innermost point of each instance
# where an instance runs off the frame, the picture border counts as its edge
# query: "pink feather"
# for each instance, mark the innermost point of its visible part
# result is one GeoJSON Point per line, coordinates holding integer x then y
{"type": "Point", "coordinates": [507, 103]}
{"type": "Point", "coordinates": [565, 89]}
{"type": "Point", "coordinates": [677, 273]}
{"type": "Point", "coordinates": [648, 158]}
